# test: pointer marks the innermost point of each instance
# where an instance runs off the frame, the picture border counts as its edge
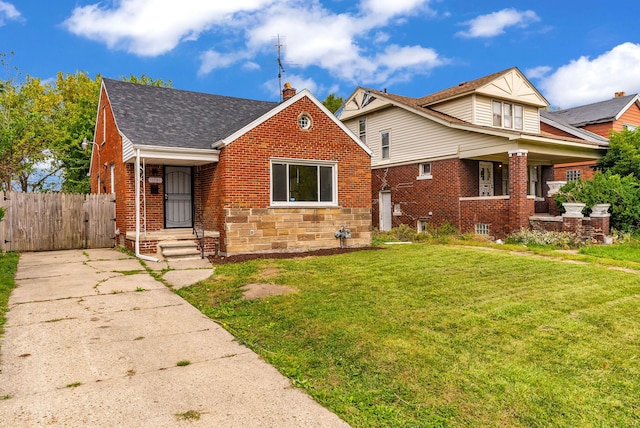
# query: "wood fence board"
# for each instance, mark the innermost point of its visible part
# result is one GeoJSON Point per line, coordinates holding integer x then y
{"type": "Point", "coordinates": [57, 221]}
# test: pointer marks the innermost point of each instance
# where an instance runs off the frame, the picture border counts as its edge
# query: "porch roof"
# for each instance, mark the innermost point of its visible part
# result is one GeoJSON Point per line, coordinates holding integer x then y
{"type": "Point", "coordinates": [168, 155]}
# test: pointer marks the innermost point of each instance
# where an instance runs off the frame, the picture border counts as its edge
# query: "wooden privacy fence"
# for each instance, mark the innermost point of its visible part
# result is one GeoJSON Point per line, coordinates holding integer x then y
{"type": "Point", "coordinates": [56, 221]}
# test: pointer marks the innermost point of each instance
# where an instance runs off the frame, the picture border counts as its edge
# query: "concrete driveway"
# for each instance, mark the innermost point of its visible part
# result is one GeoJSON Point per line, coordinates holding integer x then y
{"type": "Point", "coordinates": [92, 339]}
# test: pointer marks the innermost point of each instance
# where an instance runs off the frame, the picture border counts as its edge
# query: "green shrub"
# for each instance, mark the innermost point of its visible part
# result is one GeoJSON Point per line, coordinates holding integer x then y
{"type": "Point", "coordinates": [623, 193]}
{"type": "Point", "coordinates": [1, 213]}
{"type": "Point", "coordinates": [544, 238]}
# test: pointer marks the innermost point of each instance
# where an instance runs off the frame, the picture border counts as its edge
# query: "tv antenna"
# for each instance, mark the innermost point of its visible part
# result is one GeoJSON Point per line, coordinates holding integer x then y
{"type": "Point", "coordinates": [280, 48]}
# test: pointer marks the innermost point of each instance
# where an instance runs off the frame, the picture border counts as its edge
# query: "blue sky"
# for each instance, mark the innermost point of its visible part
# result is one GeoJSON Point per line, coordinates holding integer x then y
{"type": "Point", "coordinates": [574, 52]}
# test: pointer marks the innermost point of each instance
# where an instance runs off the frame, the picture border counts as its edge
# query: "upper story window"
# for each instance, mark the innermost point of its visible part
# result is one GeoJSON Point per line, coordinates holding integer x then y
{"type": "Point", "coordinates": [385, 137]}
{"type": "Point", "coordinates": [507, 115]}
{"type": "Point", "coordinates": [362, 130]}
{"type": "Point", "coordinates": [296, 182]}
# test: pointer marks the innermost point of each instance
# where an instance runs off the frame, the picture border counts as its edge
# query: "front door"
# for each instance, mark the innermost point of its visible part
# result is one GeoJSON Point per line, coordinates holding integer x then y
{"type": "Point", "coordinates": [385, 211]}
{"type": "Point", "coordinates": [486, 179]}
{"type": "Point", "coordinates": [178, 201]}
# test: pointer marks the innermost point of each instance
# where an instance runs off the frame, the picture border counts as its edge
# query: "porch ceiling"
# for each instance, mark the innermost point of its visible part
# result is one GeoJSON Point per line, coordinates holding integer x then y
{"type": "Point", "coordinates": [538, 153]}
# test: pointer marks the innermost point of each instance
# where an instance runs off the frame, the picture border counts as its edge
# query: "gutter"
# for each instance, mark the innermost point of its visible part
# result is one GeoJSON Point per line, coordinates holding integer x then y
{"type": "Point", "coordinates": [137, 247]}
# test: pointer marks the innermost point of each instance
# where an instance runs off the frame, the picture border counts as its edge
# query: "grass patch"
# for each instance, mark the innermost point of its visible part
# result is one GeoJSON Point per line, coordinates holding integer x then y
{"type": "Point", "coordinates": [189, 415]}
{"type": "Point", "coordinates": [8, 268]}
{"type": "Point", "coordinates": [625, 251]}
{"type": "Point", "coordinates": [435, 335]}
{"type": "Point", "coordinates": [183, 363]}
{"type": "Point", "coordinates": [74, 385]}
{"type": "Point", "coordinates": [140, 289]}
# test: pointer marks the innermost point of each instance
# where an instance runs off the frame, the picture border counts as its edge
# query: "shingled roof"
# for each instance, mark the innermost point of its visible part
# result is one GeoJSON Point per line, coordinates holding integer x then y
{"type": "Point", "coordinates": [600, 112]}
{"type": "Point", "coordinates": [167, 117]}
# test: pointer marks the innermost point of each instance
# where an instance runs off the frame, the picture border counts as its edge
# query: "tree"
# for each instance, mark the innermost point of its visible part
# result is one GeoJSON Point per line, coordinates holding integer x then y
{"type": "Point", "coordinates": [333, 103]}
{"type": "Point", "coordinates": [623, 156]}
{"type": "Point", "coordinates": [26, 132]}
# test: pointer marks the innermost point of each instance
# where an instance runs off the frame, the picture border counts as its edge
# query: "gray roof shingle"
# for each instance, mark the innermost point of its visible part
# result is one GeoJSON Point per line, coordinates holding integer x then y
{"type": "Point", "coordinates": [167, 117]}
{"type": "Point", "coordinates": [603, 111]}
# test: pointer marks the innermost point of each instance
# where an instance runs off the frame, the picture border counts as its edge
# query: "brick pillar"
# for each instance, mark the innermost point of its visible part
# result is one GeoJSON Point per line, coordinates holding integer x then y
{"type": "Point", "coordinates": [572, 222]}
{"type": "Point", "coordinates": [518, 178]}
{"type": "Point", "coordinates": [600, 221]}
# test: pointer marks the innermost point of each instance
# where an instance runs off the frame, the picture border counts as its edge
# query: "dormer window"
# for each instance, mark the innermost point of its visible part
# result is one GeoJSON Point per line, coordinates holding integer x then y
{"type": "Point", "coordinates": [507, 115]}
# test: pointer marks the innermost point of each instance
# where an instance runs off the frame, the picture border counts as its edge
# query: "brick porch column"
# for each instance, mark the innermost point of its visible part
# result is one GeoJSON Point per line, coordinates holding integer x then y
{"type": "Point", "coordinates": [518, 178]}
{"type": "Point", "coordinates": [600, 220]}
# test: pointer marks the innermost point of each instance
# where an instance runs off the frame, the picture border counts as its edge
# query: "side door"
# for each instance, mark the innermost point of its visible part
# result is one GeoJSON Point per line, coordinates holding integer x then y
{"type": "Point", "coordinates": [385, 210]}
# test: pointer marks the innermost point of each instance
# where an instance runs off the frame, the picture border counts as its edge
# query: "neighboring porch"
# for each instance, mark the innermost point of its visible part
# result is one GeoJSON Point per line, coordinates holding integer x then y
{"type": "Point", "coordinates": [514, 189]}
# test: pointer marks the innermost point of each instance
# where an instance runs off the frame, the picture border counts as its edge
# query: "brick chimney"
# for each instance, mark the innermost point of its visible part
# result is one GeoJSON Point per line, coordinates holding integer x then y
{"type": "Point", "coordinates": [619, 94]}
{"type": "Point", "coordinates": [288, 91]}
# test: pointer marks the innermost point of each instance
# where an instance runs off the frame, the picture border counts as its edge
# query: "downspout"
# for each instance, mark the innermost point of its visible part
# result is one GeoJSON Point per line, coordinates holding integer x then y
{"type": "Point", "coordinates": [138, 255]}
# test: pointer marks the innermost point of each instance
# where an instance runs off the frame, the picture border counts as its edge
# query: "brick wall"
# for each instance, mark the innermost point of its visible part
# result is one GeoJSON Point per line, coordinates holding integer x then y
{"type": "Point", "coordinates": [440, 196]}
{"type": "Point", "coordinates": [241, 180]}
{"type": "Point", "coordinates": [493, 211]}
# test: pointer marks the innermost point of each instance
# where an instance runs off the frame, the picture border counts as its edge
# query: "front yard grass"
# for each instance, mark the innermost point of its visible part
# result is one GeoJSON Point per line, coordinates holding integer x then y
{"type": "Point", "coordinates": [8, 267]}
{"type": "Point", "coordinates": [431, 335]}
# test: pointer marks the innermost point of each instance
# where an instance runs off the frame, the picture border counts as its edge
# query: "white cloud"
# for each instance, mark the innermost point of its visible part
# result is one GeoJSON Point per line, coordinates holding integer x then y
{"type": "Point", "coordinates": [339, 43]}
{"type": "Point", "coordinates": [154, 27]}
{"type": "Point", "coordinates": [211, 60]}
{"type": "Point", "coordinates": [8, 12]}
{"type": "Point", "coordinates": [537, 72]}
{"type": "Point", "coordinates": [495, 23]}
{"type": "Point", "coordinates": [585, 80]}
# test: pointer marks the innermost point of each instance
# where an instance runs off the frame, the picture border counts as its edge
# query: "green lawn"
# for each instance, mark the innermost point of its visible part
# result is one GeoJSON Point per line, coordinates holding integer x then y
{"type": "Point", "coordinates": [430, 335]}
{"type": "Point", "coordinates": [8, 266]}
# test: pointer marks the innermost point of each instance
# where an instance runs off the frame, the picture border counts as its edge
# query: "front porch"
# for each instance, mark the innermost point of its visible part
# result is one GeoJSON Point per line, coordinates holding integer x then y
{"type": "Point", "coordinates": [176, 243]}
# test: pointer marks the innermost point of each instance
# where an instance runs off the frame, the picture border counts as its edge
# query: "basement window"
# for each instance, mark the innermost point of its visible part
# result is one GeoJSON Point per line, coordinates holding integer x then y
{"type": "Point", "coordinates": [482, 229]}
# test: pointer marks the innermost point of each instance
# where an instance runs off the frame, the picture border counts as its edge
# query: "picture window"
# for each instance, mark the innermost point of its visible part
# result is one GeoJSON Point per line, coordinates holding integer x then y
{"type": "Point", "coordinates": [303, 183]}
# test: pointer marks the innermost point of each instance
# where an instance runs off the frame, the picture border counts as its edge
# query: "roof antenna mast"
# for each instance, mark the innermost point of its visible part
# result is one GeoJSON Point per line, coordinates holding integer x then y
{"type": "Point", "coordinates": [281, 69]}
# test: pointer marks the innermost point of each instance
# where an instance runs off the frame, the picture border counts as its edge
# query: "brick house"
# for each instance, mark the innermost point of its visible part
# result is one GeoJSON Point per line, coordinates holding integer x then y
{"type": "Point", "coordinates": [249, 176]}
{"type": "Point", "coordinates": [473, 155]}
{"type": "Point", "coordinates": [600, 119]}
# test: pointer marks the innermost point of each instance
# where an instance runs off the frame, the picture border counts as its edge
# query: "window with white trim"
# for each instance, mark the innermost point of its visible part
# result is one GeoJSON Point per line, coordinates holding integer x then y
{"type": "Point", "coordinates": [629, 127]}
{"type": "Point", "coordinates": [295, 182]}
{"type": "Point", "coordinates": [424, 171]}
{"type": "Point", "coordinates": [507, 115]}
{"type": "Point", "coordinates": [362, 129]}
{"type": "Point", "coordinates": [423, 225]}
{"type": "Point", "coordinates": [573, 174]}
{"type": "Point", "coordinates": [386, 143]}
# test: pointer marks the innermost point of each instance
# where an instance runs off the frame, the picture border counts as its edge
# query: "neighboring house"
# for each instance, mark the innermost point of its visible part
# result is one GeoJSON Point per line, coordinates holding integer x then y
{"type": "Point", "coordinates": [256, 176]}
{"type": "Point", "coordinates": [472, 155]}
{"type": "Point", "coordinates": [601, 118]}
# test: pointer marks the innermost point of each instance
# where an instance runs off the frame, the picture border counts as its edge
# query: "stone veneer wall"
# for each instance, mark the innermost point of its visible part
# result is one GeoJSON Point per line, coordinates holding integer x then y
{"type": "Point", "coordinates": [267, 230]}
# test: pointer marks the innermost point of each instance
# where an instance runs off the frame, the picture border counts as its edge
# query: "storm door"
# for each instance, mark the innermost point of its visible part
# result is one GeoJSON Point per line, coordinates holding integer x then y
{"type": "Point", "coordinates": [486, 179]}
{"type": "Point", "coordinates": [178, 200]}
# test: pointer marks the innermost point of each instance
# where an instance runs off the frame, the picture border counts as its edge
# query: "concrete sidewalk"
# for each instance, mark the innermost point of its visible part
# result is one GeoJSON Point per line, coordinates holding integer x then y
{"type": "Point", "coordinates": [93, 340]}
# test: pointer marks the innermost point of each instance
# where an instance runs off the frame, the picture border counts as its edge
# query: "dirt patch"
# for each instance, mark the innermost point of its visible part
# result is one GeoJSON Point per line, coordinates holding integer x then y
{"type": "Point", "coordinates": [218, 260]}
{"type": "Point", "coordinates": [260, 290]}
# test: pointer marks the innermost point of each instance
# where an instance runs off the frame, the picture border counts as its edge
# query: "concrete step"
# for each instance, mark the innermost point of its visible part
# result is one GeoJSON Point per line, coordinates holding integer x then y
{"type": "Point", "coordinates": [179, 250]}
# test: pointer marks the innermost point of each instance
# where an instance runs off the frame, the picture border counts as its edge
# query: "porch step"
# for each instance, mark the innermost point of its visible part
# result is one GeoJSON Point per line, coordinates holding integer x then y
{"type": "Point", "coordinates": [179, 250]}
